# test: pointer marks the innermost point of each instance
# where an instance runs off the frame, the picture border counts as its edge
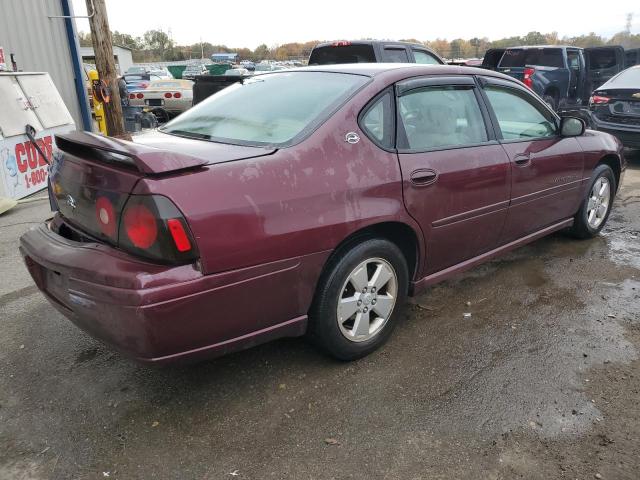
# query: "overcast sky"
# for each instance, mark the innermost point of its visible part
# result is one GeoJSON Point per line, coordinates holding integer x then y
{"type": "Point", "coordinates": [248, 23]}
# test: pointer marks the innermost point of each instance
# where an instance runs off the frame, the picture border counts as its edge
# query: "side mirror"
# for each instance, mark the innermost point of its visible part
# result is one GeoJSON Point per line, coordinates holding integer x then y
{"type": "Point", "coordinates": [572, 126]}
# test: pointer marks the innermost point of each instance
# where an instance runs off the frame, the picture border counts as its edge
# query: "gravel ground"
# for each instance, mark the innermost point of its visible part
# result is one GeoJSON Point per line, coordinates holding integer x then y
{"type": "Point", "coordinates": [542, 381]}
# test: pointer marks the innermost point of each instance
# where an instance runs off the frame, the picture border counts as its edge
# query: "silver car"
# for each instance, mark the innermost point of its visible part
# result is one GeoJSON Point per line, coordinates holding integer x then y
{"type": "Point", "coordinates": [173, 96]}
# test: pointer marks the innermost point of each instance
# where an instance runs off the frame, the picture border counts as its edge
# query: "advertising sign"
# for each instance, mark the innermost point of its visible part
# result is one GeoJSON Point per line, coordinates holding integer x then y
{"type": "Point", "coordinates": [22, 168]}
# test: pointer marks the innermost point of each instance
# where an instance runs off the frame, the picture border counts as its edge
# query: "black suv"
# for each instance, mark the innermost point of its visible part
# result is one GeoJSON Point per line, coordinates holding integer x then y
{"type": "Point", "coordinates": [372, 51]}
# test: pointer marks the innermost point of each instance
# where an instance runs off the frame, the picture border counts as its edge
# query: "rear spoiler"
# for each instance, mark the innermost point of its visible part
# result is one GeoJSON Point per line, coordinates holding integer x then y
{"type": "Point", "coordinates": [145, 159]}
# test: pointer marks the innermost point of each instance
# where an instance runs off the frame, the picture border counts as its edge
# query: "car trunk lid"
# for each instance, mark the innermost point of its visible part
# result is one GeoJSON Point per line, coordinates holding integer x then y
{"type": "Point", "coordinates": [625, 102]}
{"type": "Point", "coordinates": [92, 176]}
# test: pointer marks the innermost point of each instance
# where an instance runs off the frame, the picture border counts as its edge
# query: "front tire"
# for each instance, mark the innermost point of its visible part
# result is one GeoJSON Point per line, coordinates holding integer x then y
{"type": "Point", "coordinates": [596, 206]}
{"type": "Point", "coordinates": [359, 298]}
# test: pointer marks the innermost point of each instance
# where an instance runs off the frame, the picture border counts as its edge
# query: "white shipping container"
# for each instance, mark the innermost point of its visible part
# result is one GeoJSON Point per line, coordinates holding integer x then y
{"type": "Point", "coordinates": [28, 99]}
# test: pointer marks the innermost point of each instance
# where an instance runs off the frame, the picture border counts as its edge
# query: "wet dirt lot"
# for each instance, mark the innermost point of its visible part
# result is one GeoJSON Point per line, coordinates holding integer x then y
{"type": "Point", "coordinates": [542, 381]}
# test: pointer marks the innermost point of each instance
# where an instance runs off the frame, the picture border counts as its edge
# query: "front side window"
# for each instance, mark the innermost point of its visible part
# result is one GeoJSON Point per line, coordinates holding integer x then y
{"type": "Point", "coordinates": [396, 55]}
{"type": "Point", "coordinates": [377, 121]}
{"type": "Point", "coordinates": [425, 58]}
{"type": "Point", "coordinates": [441, 116]}
{"type": "Point", "coordinates": [517, 116]}
{"type": "Point", "coordinates": [269, 109]}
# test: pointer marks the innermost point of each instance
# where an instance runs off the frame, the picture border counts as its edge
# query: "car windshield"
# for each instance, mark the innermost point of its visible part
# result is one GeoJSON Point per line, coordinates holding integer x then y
{"type": "Point", "coordinates": [629, 78]}
{"type": "Point", "coordinates": [271, 109]}
{"type": "Point", "coordinates": [543, 57]}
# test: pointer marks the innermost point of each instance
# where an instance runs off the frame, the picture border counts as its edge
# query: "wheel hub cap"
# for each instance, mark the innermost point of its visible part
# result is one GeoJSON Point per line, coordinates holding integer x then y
{"type": "Point", "coordinates": [367, 299]}
{"type": "Point", "coordinates": [598, 203]}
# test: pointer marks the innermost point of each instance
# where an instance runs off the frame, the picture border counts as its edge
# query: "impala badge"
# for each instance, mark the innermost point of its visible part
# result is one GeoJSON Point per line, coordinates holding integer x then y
{"type": "Point", "coordinates": [71, 202]}
{"type": "Point", "coordinates": [352, 138]}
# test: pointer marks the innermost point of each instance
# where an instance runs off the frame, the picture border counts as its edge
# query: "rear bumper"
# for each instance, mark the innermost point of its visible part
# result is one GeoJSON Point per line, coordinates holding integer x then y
{"type": "Point", "coordinates": [629, 135]}
{"type": "Point", "coordinates": [158, 313]}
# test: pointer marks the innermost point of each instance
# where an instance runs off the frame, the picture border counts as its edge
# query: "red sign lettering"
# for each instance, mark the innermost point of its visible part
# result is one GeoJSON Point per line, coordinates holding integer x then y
{"type": "Point", "coordinates": [20, 152]}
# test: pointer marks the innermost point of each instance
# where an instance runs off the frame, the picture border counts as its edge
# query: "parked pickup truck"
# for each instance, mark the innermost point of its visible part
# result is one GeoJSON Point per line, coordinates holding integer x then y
{"type": "Point", "coordinates": [563, 76]}
{"type": "Point", "coordinates": [372, 51]}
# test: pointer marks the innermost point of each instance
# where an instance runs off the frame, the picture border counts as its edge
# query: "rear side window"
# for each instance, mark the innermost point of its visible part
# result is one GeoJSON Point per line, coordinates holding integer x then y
{"type": "Point", "coordinates": [377, 121]}
{"type": "Point", "coordinates": [543, 57]}
{"type": "Point", "coordinates": [442, 116]}
{"type": "Point", "coordinates": [518, 117]}
{"type": "Point", "coordinates": [425, 58]}
{"type": "Point", "coordinates": [396, 55]}
{"type": "Point", "coordinates": [600, 59]}
{"type": "Point", "coordinates": [331, 55]}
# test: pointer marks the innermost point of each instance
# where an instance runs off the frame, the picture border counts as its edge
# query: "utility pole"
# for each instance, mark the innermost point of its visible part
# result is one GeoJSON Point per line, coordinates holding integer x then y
{"type": "Point", "coordinates": [106, 65]}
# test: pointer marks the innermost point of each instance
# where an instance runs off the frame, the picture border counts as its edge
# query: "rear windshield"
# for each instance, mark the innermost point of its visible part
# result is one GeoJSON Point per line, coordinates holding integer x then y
{"type": "Point", "coordinates": [543, 57]}
{"type": "Point", "coordinates": [270, 109]}
{"type": "Point", "coordinates": [331, 55]}
{"type": "Point", "coordinates": [629, 78]}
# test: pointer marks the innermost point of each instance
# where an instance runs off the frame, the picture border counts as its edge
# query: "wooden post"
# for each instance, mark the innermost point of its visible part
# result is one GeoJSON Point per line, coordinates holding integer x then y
{"type": "Point", "coordinates": [105, 64]}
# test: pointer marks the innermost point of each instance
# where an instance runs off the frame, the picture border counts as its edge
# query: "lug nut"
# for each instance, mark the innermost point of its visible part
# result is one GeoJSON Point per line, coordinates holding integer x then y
{"type": "Point", "coordinates": [373, 289]}
{"type": "Point", "coordinates": [359, 302]}
{"type": "Point", "coordinates": [373, 302]}
{"type": "Point", "coordinates": [364, 290]}
{"type": "Point", "coordinates": [366, 309]}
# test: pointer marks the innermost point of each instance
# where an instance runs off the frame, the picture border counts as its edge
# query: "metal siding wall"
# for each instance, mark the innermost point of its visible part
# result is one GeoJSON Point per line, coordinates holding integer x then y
{"type": "Point", "coordinates": [40, 44]}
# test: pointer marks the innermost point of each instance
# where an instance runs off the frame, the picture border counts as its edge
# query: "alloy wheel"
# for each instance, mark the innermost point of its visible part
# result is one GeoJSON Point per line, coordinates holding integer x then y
{"type": "Point", "coordinates": [367, 299]}
{"type": "Point", "coordinates": [599, 201]}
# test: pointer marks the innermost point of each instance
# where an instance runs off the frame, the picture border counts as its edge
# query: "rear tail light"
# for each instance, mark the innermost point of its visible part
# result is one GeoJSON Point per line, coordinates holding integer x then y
{"type": "Point", "coordinates": [528, 73]}
{"type": "Point", "coordinates": [140, 226]}
{"type": "Point", "coordinates": [106, 217]}
{"type": "Point", "coordinates": [132, 96]}
{"type": "Point", "coordinates": [180, 237]}
{"type": "Point", "coordinates": [153, 227]}
{"type": "Point", "coordinates": [177, 95]}
{"type": "Point", "coordinates": [139, 95]}
{"type": "Point", "coordinates": [598, 100]}
{"type": "Point", "coordinates": [168, 95]}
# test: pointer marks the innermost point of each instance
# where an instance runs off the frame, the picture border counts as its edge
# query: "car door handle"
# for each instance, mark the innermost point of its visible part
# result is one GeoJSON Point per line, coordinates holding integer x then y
{"type": "Point", "coordinates": [522, 159]}
{"type": "Point", "coordinates": [423, 177]}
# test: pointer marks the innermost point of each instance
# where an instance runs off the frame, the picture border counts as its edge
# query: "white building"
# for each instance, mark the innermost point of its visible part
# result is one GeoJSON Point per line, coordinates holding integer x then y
{"type": "Point", "coordinates": [33, 35]}
{"type": "Point", "coordinates": [122, 56]}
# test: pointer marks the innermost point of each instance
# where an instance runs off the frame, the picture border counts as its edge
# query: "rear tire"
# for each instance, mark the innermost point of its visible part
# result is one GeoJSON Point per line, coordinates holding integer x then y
{"type": "Point", "coordinates": [359, 299]}
{"type": "Point", "coordinates": [596, 206]}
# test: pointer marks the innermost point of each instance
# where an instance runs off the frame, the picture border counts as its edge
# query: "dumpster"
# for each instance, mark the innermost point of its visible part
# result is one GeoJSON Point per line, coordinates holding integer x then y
{"type": "Point", "coordinates": [28, 99]}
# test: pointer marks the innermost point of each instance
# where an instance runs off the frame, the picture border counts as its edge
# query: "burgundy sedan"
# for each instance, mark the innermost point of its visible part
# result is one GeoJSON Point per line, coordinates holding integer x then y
{"type": "Point", "coordinates": [309, 201]}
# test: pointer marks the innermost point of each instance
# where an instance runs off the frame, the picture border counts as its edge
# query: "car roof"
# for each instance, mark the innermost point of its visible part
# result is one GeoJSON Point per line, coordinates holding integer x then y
{"type": "Point", "coordinates": [372, 42]}
{"type": "Point", "coordinates": [527, 47]}
{"type": "Point", "coordinates": [411, 69]}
